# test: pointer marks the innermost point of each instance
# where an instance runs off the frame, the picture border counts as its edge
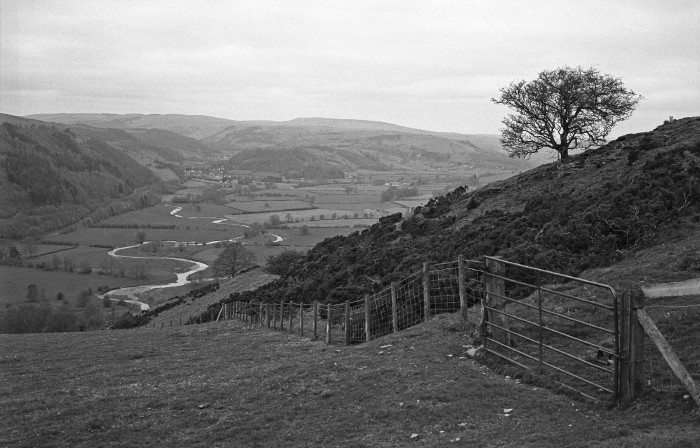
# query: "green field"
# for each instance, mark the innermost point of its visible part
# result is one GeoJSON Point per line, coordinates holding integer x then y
{"type": "Point", "coordinates": [266, 204]}
{"type": "Point", "coordinates": [15, 280]}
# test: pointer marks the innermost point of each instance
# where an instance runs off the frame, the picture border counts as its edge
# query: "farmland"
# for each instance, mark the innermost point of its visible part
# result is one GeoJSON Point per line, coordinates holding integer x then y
{"type": "Point", "coordinates": [194, 218]}
{"type": "Point", "coordinates": [79, 258]}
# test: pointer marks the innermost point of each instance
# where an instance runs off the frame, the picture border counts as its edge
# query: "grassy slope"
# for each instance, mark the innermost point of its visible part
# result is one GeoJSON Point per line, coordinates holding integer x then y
{"type": "Point", "coordinates": [224, 385]}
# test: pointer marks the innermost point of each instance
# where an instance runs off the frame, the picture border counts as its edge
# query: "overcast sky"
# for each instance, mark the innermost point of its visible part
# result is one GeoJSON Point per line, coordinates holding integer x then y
{"type": "Point", "coordinates": [426, 64]}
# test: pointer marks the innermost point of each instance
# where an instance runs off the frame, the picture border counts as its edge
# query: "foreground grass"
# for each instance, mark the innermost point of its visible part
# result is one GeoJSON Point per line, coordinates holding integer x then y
{"type": "Point", "coordinates": [224, 385]}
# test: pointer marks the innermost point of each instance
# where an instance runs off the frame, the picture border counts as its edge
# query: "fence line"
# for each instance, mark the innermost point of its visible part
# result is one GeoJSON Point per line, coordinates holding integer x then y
{"type": "Point", "coordinates": [531, 306]}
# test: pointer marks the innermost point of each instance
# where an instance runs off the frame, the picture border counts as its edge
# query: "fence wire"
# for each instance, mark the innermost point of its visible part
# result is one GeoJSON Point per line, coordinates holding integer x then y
{"type": "Point", "coordinates": [678, 319]}
{"type": "Point", "coordinates": [381, 321]}
{"type": "Point", "coordinates": [443, 287]}
{"type": "Point", "coordinates": [409, 301]}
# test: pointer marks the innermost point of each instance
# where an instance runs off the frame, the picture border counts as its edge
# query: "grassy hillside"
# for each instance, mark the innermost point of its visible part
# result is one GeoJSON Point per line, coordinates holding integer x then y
{"type": "Point", "coordinates": [51, 177]}
{"type": "Point", "coordinates": [602, 206]}
{"type": "Point", "coordinates": [225, 385]}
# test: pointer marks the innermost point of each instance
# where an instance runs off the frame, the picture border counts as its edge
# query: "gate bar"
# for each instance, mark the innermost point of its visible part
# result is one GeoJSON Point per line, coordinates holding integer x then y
{"type": "Point", "coordinates": [554, 313]}
{"type": "Point", "coordinates": [552, 330]}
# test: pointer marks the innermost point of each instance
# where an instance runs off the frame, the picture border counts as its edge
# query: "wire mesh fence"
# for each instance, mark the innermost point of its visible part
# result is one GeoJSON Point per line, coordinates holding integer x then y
{"type": "Point", "coordinates": [380, 314]}
{"type": "Point", "coordinates": [410, 308]}
{"type": "Point", "coordinates": [444, 288]}
{"type": "Point", "coordinates": [406, 303]}
{"type": "Point", "coordinates": [678, 319]}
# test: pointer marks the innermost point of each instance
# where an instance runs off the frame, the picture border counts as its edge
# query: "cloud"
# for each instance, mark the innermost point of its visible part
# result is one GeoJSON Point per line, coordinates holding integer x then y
{"type": "Point", "coordinates": [426, 64]}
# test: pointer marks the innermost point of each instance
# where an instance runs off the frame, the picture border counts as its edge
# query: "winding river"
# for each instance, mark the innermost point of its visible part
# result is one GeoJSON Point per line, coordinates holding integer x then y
{"type": "Point", "coordinates": [182, 278]}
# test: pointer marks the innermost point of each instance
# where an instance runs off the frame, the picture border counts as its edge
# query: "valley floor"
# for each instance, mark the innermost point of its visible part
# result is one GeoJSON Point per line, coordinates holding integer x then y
{"type": "Point", "coordinates": [224, 385]}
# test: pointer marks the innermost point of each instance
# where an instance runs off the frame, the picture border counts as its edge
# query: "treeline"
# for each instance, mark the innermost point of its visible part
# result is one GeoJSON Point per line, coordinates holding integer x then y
{"type": "Point", "coordinates": [398, 193]}
{"type": "Point", "coordinates": [134, 226]}
{"type": "Point", "coordinates": [44, 318]}
{"type": "Point", "coordinates": [41, 220]}
{"type": "Point", "coordinates": [53, 179]}
{"type": "Point", "coordinates": [12, 256]}
{"type": "Point", "coordinates": [564, 218]}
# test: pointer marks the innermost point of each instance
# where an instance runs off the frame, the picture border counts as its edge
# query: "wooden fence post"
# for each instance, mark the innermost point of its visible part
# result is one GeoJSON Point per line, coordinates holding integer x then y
{"type": "Point", "coordinates": [637, 344]}
{"type": "Point", "coordinates": [274, 316]}
{"type": "Point", "coordinates": [368, 335]}
{"type": "Point", "coordinates": [328, 325]}
{"type": "Point", "coordinates": [315, 319]}
{"type": "Point", "coordinates": [631, 345]}
{"type": "Point", "coordinates": [495, 291]}
{"type": "Point", "coordinates": [347, 323]}
{"type": "Point", "coordinates": [281, 316]}
{"type": "Point", "coordinates": [301, 319]}
{"type": "Point", "coordinates": [426, 292]}
{"type": "Point", "coordinates": [394, 310]}
{"type": "Point", "coordinates": [462, 290]}
{"type": "Point", "coordinates": [291, 316]}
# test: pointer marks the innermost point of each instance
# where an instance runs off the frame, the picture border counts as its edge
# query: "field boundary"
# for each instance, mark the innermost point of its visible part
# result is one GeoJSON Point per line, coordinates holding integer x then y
{"type": "Point", "coordinates": [456, 287]}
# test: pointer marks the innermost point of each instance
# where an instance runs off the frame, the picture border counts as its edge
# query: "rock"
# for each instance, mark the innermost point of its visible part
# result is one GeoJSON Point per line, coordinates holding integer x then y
{"type": "Point", "coordinates": [414, 436]}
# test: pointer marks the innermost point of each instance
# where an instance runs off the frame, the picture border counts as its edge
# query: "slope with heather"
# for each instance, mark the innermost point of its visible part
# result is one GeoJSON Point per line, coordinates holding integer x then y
{"type": "Point", "coordinates": [599, 208]}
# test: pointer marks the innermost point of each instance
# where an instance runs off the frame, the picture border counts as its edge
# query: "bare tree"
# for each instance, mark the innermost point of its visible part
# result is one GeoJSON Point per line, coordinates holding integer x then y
{"type": "Point", "coordinates": [233, 260]}
{"type": "Point", "coordinates": [563, 109]}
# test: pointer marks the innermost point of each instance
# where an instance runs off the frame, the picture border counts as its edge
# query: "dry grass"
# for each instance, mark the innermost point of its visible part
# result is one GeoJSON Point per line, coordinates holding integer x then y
{"type": "Point", "coordinates": [224, 385]}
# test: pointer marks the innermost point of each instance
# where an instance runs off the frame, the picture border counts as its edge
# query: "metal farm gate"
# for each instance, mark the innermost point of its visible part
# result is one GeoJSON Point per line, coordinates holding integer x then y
{"type": "Point", "coordinates": [553, 324]}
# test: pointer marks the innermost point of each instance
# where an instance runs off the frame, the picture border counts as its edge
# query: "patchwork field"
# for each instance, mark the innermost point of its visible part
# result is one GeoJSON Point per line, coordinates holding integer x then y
{"type": "Point", "coordinates": [324, 210]}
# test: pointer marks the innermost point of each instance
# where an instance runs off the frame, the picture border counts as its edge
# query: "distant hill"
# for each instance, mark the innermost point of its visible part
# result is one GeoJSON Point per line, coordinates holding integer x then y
{"type": "Point", "coordinates": [189, 148]}
{"type": "Point", "coordinates": [336, 144]}
{"type": "Point", "coordinates": [51, 176]}
{"type": "Point", "coordinates": [599, 208]}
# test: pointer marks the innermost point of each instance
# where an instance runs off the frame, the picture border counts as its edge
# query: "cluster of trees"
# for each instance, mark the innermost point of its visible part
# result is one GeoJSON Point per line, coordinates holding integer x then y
{"type": "Point", "coordinates": [44, 317]}
{"type": "Point", "coordinates": [397, 193]}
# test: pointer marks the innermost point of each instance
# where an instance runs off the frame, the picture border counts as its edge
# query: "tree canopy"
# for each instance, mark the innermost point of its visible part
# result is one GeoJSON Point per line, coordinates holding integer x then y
{"type": "Point", "coordinates": [233, 260]}
{"type": "Point", "coordinates": [563, 109]}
